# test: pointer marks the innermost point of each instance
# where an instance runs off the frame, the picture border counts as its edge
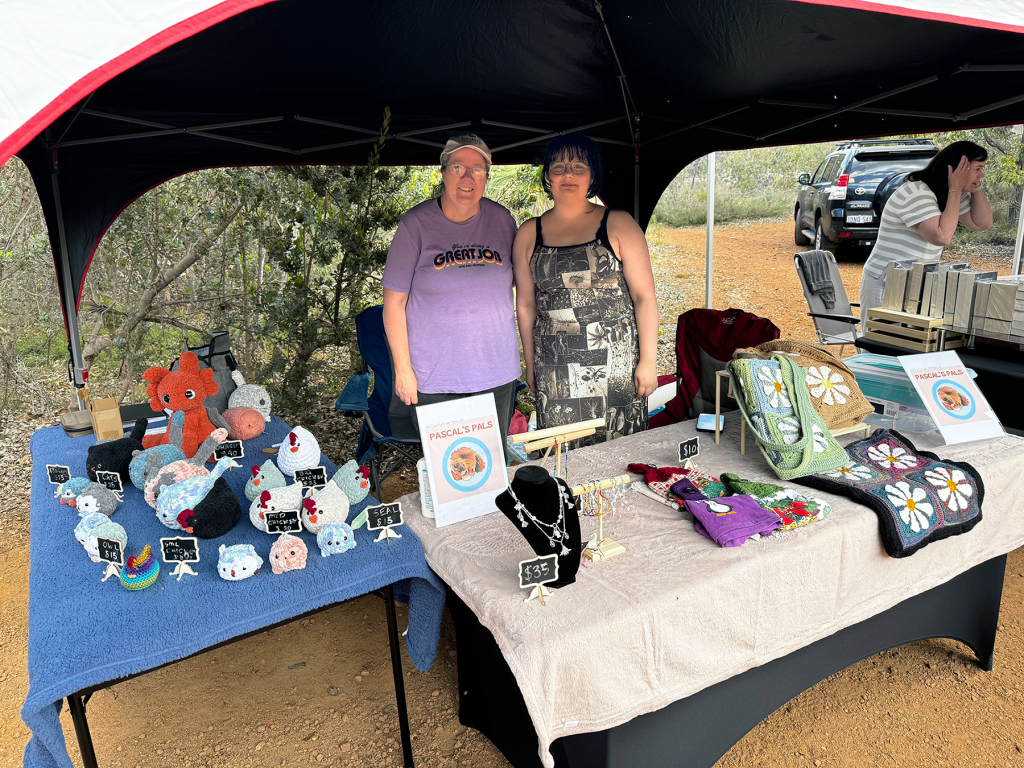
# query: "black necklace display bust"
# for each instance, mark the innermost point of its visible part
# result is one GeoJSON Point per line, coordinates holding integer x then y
{"type": "Point", "coordinates": [545, 519]}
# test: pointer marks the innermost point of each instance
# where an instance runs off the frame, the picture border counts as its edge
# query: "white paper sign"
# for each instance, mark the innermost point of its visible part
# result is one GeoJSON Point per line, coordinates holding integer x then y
{"type": "Point", "coordinates": [954, 401]}
{"type": "Point", "coordinates": [465, 457]}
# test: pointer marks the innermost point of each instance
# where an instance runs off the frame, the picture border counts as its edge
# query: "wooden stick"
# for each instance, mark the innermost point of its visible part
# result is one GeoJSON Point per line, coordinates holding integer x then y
{"type": "Point", "coordinates": [608, 482]}
{"type": "Point", "coordinates": [547, 442]}
{"type": "Point", "coordinates": [552, 431]}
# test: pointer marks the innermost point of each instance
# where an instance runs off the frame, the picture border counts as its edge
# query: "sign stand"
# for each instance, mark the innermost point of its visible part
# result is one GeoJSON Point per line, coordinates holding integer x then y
{"type": "Point", "coordinates": [181, 569]}
{"type": "Point", "coordinates": [110, 551]}
{"type": "Point", "coordinates": [539, 591]}
{"type": "Point", "coordinates": [536, 572]}
{"type": "Point", "coordinates": [112, 570]}
{"type": "Point", "coordinates": [181, 550]}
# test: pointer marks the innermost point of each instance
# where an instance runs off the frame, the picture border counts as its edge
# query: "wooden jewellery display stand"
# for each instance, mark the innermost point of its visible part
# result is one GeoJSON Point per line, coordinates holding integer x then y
{"type": "Point", "coordinates": [605, 547]}
{"type": "Point", "coordinates": [557, 438]}
{"type": "Point", "coordinates": [719, 375]}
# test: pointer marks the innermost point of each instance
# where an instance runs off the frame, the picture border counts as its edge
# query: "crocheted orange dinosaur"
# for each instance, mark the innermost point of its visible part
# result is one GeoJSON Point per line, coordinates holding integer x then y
{"type": "Point", "coordinates": [182, 390]}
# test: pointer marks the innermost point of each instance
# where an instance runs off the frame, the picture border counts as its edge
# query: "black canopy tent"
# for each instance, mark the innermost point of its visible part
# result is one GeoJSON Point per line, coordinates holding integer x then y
{"type": "Point", "coordinates": [657, 83]}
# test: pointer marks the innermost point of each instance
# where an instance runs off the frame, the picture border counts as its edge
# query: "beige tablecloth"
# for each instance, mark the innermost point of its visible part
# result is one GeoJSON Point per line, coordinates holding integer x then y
{"type": "Point", "coordinates": [677, 613]}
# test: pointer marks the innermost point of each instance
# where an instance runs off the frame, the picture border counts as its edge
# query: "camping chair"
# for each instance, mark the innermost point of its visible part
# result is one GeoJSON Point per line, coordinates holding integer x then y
{"type": "Point", "coordinates": [387, 421]}
{"type": "Point", "coordinates": [705, 342]}
{"type": "Point", "coordinates": [835, 325]}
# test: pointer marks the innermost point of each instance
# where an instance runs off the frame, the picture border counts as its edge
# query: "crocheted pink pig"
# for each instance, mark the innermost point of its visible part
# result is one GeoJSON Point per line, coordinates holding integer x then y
{"type": "Point", "coordinates": [288, 554]}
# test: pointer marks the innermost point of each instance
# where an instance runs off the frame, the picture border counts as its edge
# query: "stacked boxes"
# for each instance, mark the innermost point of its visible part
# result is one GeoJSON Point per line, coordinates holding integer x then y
{"type": "Point", "coordinates": [912, 298]}
{"type": "Point", "coordinates": [966, 286]}
{"type": "Point", "coordinates": [996, 304]}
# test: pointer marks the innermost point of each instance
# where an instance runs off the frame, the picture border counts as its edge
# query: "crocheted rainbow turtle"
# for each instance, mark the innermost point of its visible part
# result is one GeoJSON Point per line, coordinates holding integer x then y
{"type": "Point", "coordinates": [140, 571]}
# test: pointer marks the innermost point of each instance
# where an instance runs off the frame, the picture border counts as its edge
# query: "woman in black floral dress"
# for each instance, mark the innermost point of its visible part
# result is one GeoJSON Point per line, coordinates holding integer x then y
{"type": "Point", "coordinates": [585, 302]}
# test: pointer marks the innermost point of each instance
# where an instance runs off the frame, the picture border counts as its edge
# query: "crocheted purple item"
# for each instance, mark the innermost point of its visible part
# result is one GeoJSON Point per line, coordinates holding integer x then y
{"type": "Point", "coordinates": [731, 520]}
{"type": "Point", "coordinates": [919, 498]}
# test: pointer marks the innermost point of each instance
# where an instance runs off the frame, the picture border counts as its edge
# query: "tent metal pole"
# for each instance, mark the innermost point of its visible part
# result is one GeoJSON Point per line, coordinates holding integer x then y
{"type": "Point", "coordinates": [709, 257]}
{"type": "Point", "coordinates": [67, 290]}
{"type": "Point", "coordinates": [1015, 269]}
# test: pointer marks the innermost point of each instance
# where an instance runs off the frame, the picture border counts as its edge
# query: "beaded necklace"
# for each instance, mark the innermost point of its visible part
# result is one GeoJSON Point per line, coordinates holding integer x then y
{"type": "Point", "coordinates": [553, 531]}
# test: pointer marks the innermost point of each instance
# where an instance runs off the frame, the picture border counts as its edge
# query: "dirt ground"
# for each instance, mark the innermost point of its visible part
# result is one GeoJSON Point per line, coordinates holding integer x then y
{"type": "Point", "coordinates": [319, 690]}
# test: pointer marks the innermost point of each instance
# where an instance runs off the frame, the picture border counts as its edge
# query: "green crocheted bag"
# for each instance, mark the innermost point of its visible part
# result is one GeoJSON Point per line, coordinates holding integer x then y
{"type": "Point", "coordinates": [775, 403]}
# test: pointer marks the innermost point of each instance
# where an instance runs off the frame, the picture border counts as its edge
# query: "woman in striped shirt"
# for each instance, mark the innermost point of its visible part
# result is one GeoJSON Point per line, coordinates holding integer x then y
{"type": "Point", "coordinates": [920, 218]}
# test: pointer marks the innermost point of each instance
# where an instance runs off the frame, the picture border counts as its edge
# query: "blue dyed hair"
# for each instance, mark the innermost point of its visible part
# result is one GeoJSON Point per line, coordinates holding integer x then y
{"type": "Point", "coordinates": [574, 146]}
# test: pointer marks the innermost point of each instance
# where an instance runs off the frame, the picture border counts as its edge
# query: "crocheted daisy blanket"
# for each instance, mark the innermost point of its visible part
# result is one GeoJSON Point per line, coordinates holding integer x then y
{"type": "Point", "coordinates": [919, 498]}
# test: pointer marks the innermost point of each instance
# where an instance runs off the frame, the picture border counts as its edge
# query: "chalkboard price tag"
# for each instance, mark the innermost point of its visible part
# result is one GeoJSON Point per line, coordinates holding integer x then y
{"type": "Point", "coordinates": [311, 477]}
{"type": "Point", "coordinates": [181, 549]}
{"type": "Point", "coordinates": [109, 480]}
{"type": "Point", "coordinates": [384, 516]}
{"type": "Point", "coordinates": [58, 473]}
{"type": "Point", "coordinates": [283, 522]}
{"type": "Point", "coordinates": [110, 550]}
{"type": "Point", "coordinates": [688, 449]}
{"type": "Point", "coordinates": [231, 449]}
{"type": "Point", "coordinates": [538, 571]}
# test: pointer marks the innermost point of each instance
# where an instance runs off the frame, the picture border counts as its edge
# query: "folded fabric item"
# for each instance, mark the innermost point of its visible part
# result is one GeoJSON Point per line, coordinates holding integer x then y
{"type": "Point", "coordinates": [919, 498]}
{"type": "Point", "coordinates": [814, 265]}
{"type": "Point", "coordinates": [685, 489]}
{"type": "Point", "coordinates": [794, 510]}
{"type": "Point", "coordinates": [661, 479]}
{"type": "Point", "coordinates": [776, 405]}
{"type": "Point", "coordinates": [831, 384]}
{"type": "Point", "coordinates": [730, 521]}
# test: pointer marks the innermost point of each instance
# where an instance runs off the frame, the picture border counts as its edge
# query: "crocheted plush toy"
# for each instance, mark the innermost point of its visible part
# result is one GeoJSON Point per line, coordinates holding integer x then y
{"type": "Point", "coordinates": [264, 478]}
{"type": "Point", "coordinates": [238, 562]}
{"type": "Point", "coordinates": [68, 491]}
{"type": "Point", "coordinates": [353, 480]}
{"type": "Point", "coordinates": [186, 494]}
{"type": "Point", "coordinates": [244, 423]}
{"type": "Point", "coordinates": [115, 455]}
{"type": "Point", "coordinates": [140, 571]}
{"type": "Point", "coordinates": [161, 454]}
{"type": "Point", "coordinates": [182, 390]}
{"type": "Point", "coordinates": [249, 396]}
{"type": "Point", "coordinates": [83, 533]}
{"type": "Point", "coordinates": [335, 538]}
{"type": "Point", "coordinates": [97, 498]}
{"type": "Point", "coordinates": [288, 554]}
{"type": "Point", "coordinates": [158, 476]}
{"type": "Point", "coordinates": [216, 513]}
{"type": "Point", "coordinates": [328, 505]}
{"type": "Point", "coordinates": [276, 500]}
{"type": "Point", "coordinates": [298, 451]}
{"type": "Point", "coordinates": [918, 497]}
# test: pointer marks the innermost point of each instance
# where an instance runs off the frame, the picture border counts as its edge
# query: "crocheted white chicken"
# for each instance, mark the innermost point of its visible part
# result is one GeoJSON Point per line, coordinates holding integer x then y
{"type": "Point", "coordinates": [328, 505]}
{"type": "Point", "coordinates": [275, 500]}
{"type": "Point", "coordinates": [298, 451]}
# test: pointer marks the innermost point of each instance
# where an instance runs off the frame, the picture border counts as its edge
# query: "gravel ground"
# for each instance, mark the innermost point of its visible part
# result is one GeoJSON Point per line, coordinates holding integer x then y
{"type": "Point", "coordinates": [319, 691]}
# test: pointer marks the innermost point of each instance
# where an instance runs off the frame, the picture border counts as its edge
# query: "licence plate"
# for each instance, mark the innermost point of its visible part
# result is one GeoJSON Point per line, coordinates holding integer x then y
{"type": "Point", "coordinates": [865, 218]}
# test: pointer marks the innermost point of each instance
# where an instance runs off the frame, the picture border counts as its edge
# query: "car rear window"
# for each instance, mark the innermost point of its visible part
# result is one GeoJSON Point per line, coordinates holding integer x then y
{"type": "Point", "coordinates": [887, 163]}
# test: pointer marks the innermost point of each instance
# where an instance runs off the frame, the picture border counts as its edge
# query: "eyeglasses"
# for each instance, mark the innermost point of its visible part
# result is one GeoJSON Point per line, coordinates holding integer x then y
{"type": "Point", "coordinates": [577, 169]}
{"type": "Point", "coordinates": [460, 170]}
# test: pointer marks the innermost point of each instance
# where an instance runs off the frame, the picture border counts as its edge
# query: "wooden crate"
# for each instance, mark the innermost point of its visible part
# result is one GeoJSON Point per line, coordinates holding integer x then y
{"type": "Point", "coordinates": [917, 333]}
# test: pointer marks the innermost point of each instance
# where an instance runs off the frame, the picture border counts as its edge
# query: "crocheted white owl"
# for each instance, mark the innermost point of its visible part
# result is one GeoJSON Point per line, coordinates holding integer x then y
{"type": "Point", "coordinates": [298, 451]}
{"type": "Point", "coordinates": [249, 396]}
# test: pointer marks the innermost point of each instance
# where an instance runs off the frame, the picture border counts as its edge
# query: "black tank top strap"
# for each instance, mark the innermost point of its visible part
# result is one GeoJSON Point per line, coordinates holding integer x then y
{"type": "Point", "coordinates": [602, 231]}
{"type": "Point", "coordinates": [540, 236]}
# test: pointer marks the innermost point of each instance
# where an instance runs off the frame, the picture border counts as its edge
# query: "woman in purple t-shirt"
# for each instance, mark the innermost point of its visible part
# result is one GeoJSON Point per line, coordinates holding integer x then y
{"type": "Point", "coordinates": [448, 308]}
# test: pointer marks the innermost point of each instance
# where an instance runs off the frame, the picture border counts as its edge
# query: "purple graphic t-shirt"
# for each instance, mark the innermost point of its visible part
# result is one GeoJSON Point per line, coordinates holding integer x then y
{"type": "Point", "coordinates": [460, 313]}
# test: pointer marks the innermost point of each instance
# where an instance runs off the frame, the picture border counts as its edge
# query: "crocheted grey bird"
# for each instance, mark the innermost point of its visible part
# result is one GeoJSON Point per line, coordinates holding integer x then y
{"type": "Point", "coordinates": [249, 396]}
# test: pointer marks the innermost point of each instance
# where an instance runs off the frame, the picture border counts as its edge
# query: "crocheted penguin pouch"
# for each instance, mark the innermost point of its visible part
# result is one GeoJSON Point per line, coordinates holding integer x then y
{"type": "Point", "coordinates": [661, 479]}
{"type": "Point", "coordinates": [918, 497]}
{"type": "Point", "coordinates": [777, 407]}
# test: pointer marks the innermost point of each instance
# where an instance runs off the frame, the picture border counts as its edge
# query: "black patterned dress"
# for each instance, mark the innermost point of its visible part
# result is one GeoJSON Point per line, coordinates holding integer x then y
{"type": "Point", "coordinates": [585, 341]}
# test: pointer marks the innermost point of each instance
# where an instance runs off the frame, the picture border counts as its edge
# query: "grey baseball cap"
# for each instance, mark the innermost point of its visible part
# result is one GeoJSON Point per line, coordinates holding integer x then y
{"type": "Point", "coordinates": [470, 140]}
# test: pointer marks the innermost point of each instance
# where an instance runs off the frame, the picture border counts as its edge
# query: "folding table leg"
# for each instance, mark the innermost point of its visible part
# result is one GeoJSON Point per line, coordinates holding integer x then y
{"type": "Point", "coordinates": [77, 707]}
{"type": "Point", "coordinates": [396, 670]}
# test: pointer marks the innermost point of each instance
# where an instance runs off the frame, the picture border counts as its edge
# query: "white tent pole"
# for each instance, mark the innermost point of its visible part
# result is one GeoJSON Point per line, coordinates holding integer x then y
{"type": "Point", "coordinates": [1020, 237]}
{"type": "Point", "coordinates": [710, 256]}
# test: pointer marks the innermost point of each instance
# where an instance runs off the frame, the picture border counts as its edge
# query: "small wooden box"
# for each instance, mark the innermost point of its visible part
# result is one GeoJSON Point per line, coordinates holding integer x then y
{"type": "Point", "coordinates": [106, 418]}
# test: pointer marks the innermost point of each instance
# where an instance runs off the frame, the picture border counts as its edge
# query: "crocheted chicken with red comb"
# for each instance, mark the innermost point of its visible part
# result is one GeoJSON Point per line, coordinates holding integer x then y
{"type": "Point", "coordinates": [182, 390]}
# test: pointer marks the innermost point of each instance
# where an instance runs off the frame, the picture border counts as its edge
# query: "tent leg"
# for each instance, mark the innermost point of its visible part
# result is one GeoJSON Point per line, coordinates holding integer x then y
{"type": "Point", "coordinates": [710, 250]}
{"type": "Point", "coordinates": [67, 290]}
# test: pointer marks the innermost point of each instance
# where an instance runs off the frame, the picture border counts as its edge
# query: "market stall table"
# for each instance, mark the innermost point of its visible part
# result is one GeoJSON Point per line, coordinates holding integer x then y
{"type": "Point", "coordinates": [80, 636]}
{"type": "Point", "coordinates": [678, 619]}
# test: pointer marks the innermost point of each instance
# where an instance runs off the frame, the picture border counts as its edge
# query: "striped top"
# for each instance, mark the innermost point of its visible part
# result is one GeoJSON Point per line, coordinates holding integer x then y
{"type": "Point", "coordinates": [897, 240]}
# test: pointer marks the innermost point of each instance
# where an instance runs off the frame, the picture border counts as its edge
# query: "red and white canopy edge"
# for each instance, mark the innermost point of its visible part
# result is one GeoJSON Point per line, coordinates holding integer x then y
{"type": "Point", "coordinates": [1005, 15]}
{"type": "Point", "coordinates": [56, 52]}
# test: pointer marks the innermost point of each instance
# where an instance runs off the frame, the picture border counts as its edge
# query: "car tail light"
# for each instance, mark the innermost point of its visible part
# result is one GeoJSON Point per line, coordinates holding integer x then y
{"type": "Point", "coordinates": [845, 234]}
{"type": "Point", "coordinates": [844, 179]}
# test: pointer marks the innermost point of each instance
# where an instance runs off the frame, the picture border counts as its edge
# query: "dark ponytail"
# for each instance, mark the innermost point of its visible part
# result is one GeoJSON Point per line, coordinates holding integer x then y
{"type": "Point", "coordinates": [935, 175]}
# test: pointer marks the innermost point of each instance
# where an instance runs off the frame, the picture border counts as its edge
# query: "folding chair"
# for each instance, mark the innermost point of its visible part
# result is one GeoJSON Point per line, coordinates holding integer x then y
{"type": "Point", "coordinates": [837, 325]}
{"type": "Point", "coordinates": [387, 421]}
{"type": "Point", "coordinates": [705, 340]}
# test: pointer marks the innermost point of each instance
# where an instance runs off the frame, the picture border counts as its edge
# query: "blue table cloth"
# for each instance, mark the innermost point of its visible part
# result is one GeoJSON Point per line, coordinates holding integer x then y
{"type": "Point", "coordinates": [76, 623]}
